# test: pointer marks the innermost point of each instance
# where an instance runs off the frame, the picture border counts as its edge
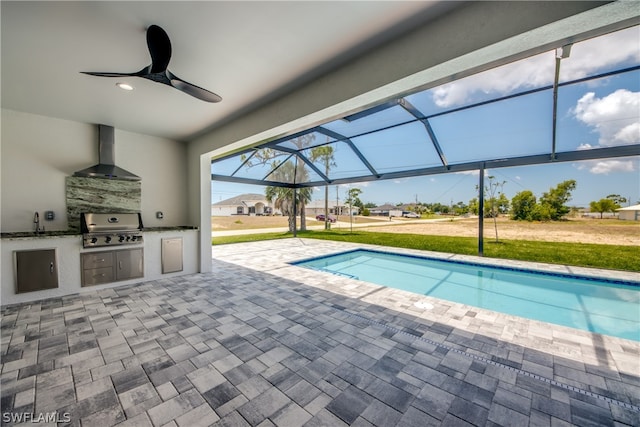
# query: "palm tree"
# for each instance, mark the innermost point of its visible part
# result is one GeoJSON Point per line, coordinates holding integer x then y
{"type": "Point", "coordinates": [283, 197]}
{"type": "Point", "coordinates": [325, 155]}
{"type": "Point", "coordinates": [291, 172]}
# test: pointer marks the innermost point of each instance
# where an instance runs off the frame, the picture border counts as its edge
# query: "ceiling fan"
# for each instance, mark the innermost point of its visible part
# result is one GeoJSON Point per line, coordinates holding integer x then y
{"type": "Point", "coordinates": [160, 49]}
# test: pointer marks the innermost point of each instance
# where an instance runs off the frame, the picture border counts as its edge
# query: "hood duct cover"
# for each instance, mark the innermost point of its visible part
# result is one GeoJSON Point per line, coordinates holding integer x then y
{"type": "Point", "coordinates": [106, 167]}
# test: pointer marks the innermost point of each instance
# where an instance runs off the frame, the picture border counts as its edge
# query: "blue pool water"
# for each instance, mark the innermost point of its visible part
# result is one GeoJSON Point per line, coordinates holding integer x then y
{"type": "Point", "coordinates": [597, 305]}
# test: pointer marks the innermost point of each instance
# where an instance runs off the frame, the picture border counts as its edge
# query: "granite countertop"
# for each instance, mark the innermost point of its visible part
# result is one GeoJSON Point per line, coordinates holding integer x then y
{"type": "Point", "coordinates": [174, 228]}
{"type": "Point", "coordinates": [63, 233]}
{"type": "Point", "coordinates": [33, 235]}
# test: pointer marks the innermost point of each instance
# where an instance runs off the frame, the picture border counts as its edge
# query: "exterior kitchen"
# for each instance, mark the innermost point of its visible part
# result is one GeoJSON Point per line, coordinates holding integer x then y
{"type": "Point", "coordinates": [139, 229]}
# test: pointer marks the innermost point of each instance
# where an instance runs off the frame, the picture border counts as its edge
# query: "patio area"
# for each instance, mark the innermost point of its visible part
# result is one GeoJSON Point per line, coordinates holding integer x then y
{"type": "Point", "coordinates": [260, 342]}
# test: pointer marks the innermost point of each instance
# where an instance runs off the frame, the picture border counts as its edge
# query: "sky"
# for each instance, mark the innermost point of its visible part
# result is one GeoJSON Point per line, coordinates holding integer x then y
{"type": "Point", "coordinates": [594, 114]}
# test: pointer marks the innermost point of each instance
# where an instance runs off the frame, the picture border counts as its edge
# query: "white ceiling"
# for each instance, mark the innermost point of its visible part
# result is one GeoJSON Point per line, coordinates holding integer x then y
{"type": "Point", "coordinates": [247, 52]}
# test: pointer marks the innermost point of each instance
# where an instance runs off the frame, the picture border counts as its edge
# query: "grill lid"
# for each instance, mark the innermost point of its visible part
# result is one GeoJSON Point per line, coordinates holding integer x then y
{"type": "Point", "coordinates": [108, 222]}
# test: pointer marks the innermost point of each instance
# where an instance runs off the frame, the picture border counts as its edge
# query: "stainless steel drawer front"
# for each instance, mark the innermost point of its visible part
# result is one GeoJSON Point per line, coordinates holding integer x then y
{"type": "Point", "coordinates": [97, 276]}
{"type": "Point", "coordinates": [97, 260]}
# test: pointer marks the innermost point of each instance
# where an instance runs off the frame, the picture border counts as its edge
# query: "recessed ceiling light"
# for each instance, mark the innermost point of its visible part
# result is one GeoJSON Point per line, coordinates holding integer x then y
{"type": "Point", "coordinates": [124, 86]}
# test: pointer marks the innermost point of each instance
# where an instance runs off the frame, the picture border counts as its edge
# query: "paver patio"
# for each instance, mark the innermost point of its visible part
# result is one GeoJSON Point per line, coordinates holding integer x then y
{"type": "Point", "coordinates": [260, 342]}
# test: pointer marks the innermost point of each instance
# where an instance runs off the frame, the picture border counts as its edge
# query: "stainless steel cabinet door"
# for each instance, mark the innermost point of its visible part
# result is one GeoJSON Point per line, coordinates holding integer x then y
{"type": "Point", "coordinates": [36, 270]}
{"type": "Point", "coordinates": [129, 264]}
{"type": "Point", "coordinates": [171, 255]}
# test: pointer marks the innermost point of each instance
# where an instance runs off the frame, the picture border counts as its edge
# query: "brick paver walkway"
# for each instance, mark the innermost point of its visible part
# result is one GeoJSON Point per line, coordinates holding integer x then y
{"type": "Point", "coordinates": [260, 342]}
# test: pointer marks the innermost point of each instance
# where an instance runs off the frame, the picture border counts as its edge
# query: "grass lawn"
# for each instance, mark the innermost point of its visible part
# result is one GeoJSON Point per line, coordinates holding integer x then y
{"type": "Point", "coordinates": [245, 222]}
{"type": "Point", "coordinates": [614, 257]}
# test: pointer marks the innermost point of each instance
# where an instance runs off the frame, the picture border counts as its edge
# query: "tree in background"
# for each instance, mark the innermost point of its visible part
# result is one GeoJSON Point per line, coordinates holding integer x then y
{"type": "Point", "coordinates": [325, 155]}
{"type": "Point", "coordinates": [291, 171]}
{"type": "Point", "coordinates": [604, 205]}
{"type": "Point", "coordinates": [437, 207]}
{"type": "Point", "coordinates": [353, 199]}
{"type": "Point", "coordinates": [551, 206]}
{"type": "Point", "coordinates": [553, 203]}
{"type": "Point", "coordinates": [474, 206]}
{"type": "Point", "coordinates": [523, 206]}
{"type": "Point", "coordinates": [460, 208]}
{"type": "Point", "coordinates": [496, 202]}
{"type": "Point", "coordinates": [283, 197]}
{"type": "Point", "coordinates": [617, 199]}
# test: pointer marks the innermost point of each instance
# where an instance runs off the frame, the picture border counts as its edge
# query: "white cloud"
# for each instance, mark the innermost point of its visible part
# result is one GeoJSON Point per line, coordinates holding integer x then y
{"type": "Point", "coordinates": [603, 167]}
{"type": "Point", "coordinates": [587, 57]}
{"type": "Point", "coordinates": [532, 72]}
{"type": "Point", "coordinates": [629, 134]}
{"type": "Point", "coordinates": [601, 52]}
{"type": "Point", "coordinates": [474, 172]}
{"type": "Point", "coordinates": [616, 117]}
{"type": "Point", "coordinates": [355, 185]}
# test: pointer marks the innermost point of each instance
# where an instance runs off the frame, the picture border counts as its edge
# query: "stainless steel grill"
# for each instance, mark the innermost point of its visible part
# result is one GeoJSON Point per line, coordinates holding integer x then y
{"type": "Point", "coordinates": [111, 229]}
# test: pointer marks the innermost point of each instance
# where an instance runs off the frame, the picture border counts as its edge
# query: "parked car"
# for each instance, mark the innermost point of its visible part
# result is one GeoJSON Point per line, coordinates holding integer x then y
{"type": "Point", "coordinates": [410, 215]}
{"type": "Point", "coordinates": [321, 218]}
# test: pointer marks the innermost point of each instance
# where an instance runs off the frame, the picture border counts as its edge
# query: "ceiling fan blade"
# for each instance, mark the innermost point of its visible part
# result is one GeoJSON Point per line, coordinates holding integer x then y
{"type": "Point", "coordinates": [159, 47]}
{"type": "Point", "coordinates": [160, 50]}
{"type": "Point", "coordinates": [192, 89]}
{"type": "Point", "coordinates": [99, 74]}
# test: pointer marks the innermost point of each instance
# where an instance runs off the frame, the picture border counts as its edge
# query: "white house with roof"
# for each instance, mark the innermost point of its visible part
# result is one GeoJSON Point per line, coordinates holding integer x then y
{"type": "Point", "coordinates": [386, 210]}
{"type": "Point", "coordinates": [630, 213]}
{"type": "Point", "coordinates": [244, 204]}
{"type": "Point", "coordinates": [316, 207]}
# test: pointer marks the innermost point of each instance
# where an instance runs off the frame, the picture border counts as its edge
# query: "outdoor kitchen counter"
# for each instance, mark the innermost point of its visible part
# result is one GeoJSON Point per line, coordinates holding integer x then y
{"type": "Point", "coordinates": [68, 247]}
{"type": "Point", "coordinates": [50, 234]}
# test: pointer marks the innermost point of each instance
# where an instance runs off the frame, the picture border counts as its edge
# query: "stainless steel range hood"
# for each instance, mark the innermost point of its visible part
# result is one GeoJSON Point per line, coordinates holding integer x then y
{"type": "Point", "coordinates": [106, 168]}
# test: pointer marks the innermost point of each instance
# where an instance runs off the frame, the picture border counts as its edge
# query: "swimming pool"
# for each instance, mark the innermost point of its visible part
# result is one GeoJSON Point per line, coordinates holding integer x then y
{"type": "Point", "coordinates": [609, 307]}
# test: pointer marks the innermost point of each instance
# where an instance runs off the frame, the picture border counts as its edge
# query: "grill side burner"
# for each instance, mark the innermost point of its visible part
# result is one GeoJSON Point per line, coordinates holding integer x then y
{"type": "Point", "coordinates": [111, 229]}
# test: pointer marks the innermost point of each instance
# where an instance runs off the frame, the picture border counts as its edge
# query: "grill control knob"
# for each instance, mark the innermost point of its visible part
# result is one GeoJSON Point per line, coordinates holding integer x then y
{"type": "Point", "coordinates": [128, 238]}
{"type": "Point", "coordinates": [134, 238]}
{"type": "Point", "coordinates": [108, 239]}
{"type": "Point", "coordinates": [121, 238]}
{"type": "Point", "coordinates": [94, 239]}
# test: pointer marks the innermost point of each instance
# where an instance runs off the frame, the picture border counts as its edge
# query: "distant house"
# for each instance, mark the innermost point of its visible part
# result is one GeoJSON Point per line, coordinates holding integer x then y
{"type": "Point", "coordinates": [386, 210]}
{"type": "Point", "coordinates": [244, 204]}
{"type": "Point", "coordinates": [316, 207]}
{"type": "Point", "coordinates": [630, 213]}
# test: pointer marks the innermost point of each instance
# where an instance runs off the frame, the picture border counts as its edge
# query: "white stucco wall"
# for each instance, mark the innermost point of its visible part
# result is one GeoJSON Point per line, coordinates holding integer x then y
{"type": "Point", "coordinates": [629, 215]}
{"type": "Point", "coordinates": [38, 153]}
{"type": "Point", "coordinates": [224, 210]}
